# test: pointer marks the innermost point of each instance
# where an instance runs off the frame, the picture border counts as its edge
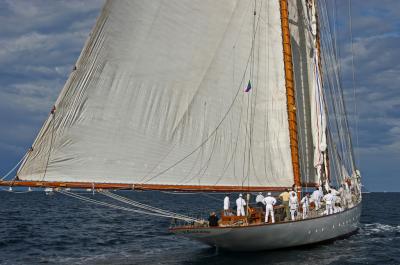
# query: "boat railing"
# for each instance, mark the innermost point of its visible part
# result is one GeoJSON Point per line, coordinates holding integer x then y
{"type": "Point", "coordinates": [256, 215]}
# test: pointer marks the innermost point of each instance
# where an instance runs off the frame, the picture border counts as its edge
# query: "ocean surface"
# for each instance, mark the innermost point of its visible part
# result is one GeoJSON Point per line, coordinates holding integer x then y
{"type": "Point", "coordinates": [39, 229]}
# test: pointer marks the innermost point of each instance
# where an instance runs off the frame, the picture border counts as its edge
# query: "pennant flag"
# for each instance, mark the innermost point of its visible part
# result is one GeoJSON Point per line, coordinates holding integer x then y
{"type": "Point", "coordinates": [248, 87]}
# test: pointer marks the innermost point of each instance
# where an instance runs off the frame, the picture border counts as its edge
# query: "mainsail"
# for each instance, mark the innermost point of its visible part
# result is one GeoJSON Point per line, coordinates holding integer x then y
{"type": "Point", "coordinates": [157, 100]}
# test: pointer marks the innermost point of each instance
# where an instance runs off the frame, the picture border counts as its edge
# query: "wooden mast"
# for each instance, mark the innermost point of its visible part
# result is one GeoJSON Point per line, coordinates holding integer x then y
{"type": "Point", "coordinates": [290, 94]}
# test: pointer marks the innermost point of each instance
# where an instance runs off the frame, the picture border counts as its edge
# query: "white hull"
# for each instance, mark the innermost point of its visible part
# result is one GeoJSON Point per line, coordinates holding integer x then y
{"type": "Point", "coordinates": [280, 235]}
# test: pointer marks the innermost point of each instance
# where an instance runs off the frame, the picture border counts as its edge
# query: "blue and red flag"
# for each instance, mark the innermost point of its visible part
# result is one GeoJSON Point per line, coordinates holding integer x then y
{"type": "Point", "coordinates": [248, 88]}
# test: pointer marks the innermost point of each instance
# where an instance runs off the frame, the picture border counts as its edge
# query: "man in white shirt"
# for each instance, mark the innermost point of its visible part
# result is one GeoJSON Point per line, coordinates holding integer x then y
{"type": "Point", "coordinates": [259, 200]}
{"type": "Point", "coordinates": [305, 204]}
{"type": "Point", "coordinates": [293, 204]}
{"type": "Point", "coordinates": [328, 198]}
{"type": "Point", "coordinates": [240, 203]}
{"type": "Point", "coordinates": [316, 198]}
{"type": "Point", "coordinates": [226, 205]}
{"type": "Point", "coordinates": [269, 202]}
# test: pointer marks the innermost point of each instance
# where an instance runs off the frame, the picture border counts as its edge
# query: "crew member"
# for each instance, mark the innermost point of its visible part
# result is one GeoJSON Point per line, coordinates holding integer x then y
{"type": "Point", "coordinates": [284, 196]}
{"type": "Point", "coordinates": [226, 205]}
{"type": "Point", "coordinates": [213, 219]}
{"type": "Point", "coordinates": [328, 198]}
{"type": "Point", "coordinates": [316, 197]}
{"type": "Point", "coordinates": [293, 204]}
{"type": "Point", "coordinates": [259, 200]}
{"type": "Point", "coordinates": [305, 204]}
{"type": "Point", "coordinates": [292, 192]}
{"type": "Point", "coordinates": [269, 202]}
{"type": "Point", "coordinates": [334, 199]}
{"type": "Point", "coordinates": [240, 203]}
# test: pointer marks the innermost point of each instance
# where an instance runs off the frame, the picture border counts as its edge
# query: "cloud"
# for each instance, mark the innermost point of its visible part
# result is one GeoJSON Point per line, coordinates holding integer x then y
{"type": "Point", "coordinates": [376, 53]}
{"type": "Point", "coordinates": [39, 44]}
{"type": "Point", "coordinates": [376, 35]}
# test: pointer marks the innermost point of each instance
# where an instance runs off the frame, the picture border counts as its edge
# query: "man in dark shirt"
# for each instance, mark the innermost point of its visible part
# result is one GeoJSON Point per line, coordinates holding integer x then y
{"type": "Point", "coordinates": [213, 219]}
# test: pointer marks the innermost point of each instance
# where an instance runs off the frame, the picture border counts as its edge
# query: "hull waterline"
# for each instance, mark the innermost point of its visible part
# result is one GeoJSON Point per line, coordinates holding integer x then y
{"type": "Point", "coordinates": [279, 235]}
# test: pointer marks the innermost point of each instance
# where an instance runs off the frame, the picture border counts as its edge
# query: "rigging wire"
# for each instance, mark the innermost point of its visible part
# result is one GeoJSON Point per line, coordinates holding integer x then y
{"type": "Point", "coordinates": [334, 85]}
{"type": "Point", "coordinates": [15, 167]}
{"type": "Point", "coordinates": [146, 212]}
{"type": "Point", "coordinates": [142, 206]}
{"type": "Point", "coordinates": [333, 81]}
{"type": "Point", "coordinates": [353, 81]}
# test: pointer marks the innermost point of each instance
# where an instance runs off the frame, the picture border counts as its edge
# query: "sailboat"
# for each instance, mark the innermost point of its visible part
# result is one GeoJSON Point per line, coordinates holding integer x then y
{"type": "Point", "coordinates": [206, 96]}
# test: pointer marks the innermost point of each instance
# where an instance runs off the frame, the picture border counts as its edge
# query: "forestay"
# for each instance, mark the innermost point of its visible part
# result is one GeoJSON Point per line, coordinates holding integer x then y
{"type": "Point", "coordinates": [157, 97]}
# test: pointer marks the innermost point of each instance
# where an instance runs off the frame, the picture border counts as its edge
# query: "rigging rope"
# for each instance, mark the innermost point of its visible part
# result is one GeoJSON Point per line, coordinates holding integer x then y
{"type": "Point", "coordinates": [12, 170]}
{"type": "Point", "coordinates": [144, 206]}
{"type": "Point", "coordinates": [156, 212]}
{"type": "Point", "coordinates": [353, 81]}
{"type": "Point", "coordinates": [338, 126]}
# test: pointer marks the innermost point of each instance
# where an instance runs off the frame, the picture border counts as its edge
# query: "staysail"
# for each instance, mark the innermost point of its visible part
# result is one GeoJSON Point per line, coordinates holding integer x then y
{"type": "Point", "coordinates": [311, 116]}
{"type": "Point", "coordinates": [302, 59]}
{"type": "Point", "coordinates": [157, 100]}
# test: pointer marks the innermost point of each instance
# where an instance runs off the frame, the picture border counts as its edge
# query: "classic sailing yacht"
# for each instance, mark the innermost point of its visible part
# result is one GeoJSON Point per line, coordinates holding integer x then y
{"type": "Point", "coordinates": [199, 95]}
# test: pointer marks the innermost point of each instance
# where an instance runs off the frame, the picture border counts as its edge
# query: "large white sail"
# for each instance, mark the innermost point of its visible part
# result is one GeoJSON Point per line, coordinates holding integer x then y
{"type": "Point", "coordinates": [157, 97]}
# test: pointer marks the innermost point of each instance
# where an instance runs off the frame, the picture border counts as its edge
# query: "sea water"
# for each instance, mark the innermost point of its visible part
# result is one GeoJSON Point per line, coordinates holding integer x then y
{"type": "Point", "coordinates": [39, 229]}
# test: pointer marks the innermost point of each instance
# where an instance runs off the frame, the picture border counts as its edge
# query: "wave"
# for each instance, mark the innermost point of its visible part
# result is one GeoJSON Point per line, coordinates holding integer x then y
{"type": "Point", "coordinates": [376, 228]}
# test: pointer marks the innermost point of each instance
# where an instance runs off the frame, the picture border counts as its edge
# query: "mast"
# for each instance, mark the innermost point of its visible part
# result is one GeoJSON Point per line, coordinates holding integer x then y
{"type": "Point", "coordinates": [290, 94]}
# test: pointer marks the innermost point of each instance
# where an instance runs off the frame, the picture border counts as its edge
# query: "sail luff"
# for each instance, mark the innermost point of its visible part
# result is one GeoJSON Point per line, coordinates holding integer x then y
{"type": "Point", "coordinates": [290, 92]}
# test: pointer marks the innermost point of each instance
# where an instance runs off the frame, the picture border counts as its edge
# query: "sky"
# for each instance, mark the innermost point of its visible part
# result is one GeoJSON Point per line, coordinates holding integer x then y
{"type": "Point", "coordinates": [41, 40]}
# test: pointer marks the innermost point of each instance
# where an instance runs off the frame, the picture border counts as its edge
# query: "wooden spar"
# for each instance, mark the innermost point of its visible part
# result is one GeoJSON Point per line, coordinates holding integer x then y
{"type": "Point", "coordinates": [290, 94]}
{"type": "Point", "coordinates": [126, 186]}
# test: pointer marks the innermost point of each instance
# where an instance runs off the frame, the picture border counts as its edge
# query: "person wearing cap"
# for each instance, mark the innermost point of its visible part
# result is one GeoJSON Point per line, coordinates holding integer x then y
{"type": "Point", "coordinates": [240, 204]}
{"type": "Point", "coordinates": [226, 205]}
{"type": "Point", "coordinates": [259, 200]}
{"type": "Point", "coordinates": [305, 204]}
{"type": "Point", "coordinates": [269, 202]}
{"type": "Point", "coordinates": [284, 196]}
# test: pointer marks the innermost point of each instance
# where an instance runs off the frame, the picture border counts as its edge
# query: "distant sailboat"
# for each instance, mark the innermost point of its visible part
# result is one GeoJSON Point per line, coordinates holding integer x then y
{"type": "Point", "coordinates": [230, 96]}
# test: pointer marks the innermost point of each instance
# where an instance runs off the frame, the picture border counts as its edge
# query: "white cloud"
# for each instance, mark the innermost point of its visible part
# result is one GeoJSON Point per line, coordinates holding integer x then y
{"type": "Point", "coordinates": [39, 43]}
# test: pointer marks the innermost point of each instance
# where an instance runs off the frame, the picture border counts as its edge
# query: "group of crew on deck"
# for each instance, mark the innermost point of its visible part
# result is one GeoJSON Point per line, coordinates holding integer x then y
{"type": "Point", "coordinates": [334, 202]}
